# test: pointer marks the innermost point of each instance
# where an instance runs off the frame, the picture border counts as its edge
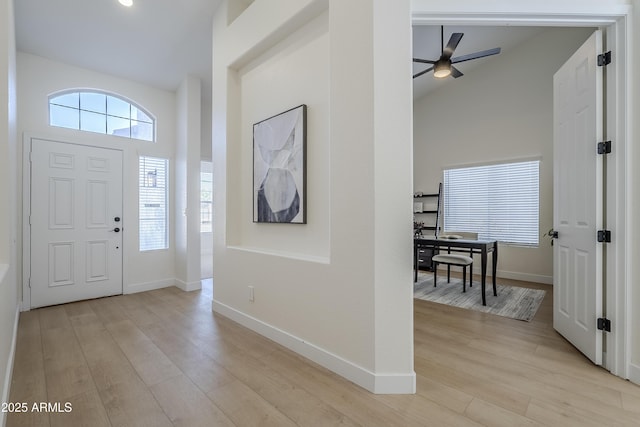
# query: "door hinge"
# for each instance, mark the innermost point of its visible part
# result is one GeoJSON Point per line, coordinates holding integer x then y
{"type": "Point", "coordinates": [604, 147]}
{"type": "Point", "coordinates": [604, 59]}
{"type": "Point", "coordinates": [604, 236]}
{"type": "Point", "coordinates": [604, 324]}
{"type": "Point", "coordinates": [29, 282]}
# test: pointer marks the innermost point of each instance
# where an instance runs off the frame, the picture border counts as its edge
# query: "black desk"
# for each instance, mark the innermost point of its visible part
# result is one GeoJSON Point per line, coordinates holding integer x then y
{"type": "Point", "coordinates": [483, 247]}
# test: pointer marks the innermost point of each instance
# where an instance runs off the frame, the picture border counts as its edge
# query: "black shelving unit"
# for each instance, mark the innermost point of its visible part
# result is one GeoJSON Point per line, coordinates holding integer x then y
{"type": "Point", "coordinates": [424, 255]}
{"type": "Point", "coordinates": [435, 228]}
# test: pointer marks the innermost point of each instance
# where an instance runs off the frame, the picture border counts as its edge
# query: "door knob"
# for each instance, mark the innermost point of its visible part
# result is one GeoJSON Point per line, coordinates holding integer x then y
{"type": "Point", "coordinates": [117, 230]}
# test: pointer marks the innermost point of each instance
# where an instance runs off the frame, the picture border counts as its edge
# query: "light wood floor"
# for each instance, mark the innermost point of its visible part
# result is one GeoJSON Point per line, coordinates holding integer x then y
{"type": "Point", "coordinates": [162, 358]}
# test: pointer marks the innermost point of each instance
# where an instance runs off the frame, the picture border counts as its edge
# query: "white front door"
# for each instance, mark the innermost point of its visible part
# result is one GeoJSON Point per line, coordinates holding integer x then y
{"type": "Point", "coordinates": [76, 222]}
{"type": "Point", "coordinates": [577, 204]}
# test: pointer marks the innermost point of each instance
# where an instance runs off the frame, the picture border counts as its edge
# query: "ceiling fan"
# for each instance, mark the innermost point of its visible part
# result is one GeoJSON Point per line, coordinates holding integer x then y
{"type": "Point", "coordinates": [443, 67]}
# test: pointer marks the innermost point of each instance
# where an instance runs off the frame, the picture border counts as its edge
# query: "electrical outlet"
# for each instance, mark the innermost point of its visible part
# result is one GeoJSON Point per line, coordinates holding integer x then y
{"type": "Point", "coordinates": [251, 296]}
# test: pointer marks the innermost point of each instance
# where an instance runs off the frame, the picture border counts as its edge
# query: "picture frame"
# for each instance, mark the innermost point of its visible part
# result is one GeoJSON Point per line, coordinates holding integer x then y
{"type": "Point", "coordinates": [279, 168]}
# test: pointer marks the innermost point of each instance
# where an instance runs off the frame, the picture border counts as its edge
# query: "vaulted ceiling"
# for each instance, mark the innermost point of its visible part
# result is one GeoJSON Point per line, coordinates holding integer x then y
{"type": "Point", "coordinates": [427, 45]}
{"type": "Point", "coordinates": [159, 42]}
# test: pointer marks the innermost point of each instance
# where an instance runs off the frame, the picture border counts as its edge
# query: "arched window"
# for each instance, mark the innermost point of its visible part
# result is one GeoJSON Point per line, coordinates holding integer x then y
{"type": "Point", "coordinates": [101, 112]}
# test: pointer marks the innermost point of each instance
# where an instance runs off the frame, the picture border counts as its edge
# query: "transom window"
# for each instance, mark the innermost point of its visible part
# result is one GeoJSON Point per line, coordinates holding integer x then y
{"type": "Point", "coordinates": [100, 112]}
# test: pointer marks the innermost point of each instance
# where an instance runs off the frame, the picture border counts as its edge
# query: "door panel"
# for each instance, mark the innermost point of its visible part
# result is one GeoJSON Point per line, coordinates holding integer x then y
{"type": "Point", "coordinates": [97, 204]}
{"type": "Point", "coordinates": [97, 261]}
{"type": "Point", "coordinates": [578, 187]}
{"type": "Point", "coordinates": [76, 192]}
{"type": "Point", "coordinates": [61, 263]}
{"type": "Point", "coordinates": [61, 203]}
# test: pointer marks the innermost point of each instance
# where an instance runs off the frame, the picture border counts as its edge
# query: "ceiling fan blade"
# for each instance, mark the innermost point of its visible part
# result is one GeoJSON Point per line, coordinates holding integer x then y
{"type": "Point", "coordinates": [422, 72]}
{"type": "Point", "coordinates": [451, 46]}
{"type": "Point", "coordinates": [476, 55]}
{"type": "Point", "coordinates": [423, 61]}
{"type": "Point", "coordinates": [455, 73]}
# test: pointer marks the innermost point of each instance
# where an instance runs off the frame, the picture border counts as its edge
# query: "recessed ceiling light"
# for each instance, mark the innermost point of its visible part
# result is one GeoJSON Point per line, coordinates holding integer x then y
{"type": "Point", "coordinates": [127, 3]}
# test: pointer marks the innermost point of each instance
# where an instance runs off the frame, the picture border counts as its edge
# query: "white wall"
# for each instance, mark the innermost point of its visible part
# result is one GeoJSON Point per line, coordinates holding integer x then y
{"type": "Point", "coordinates": [187, 185]}
{"type": "Point", "coordinates": [634, 204]}
{"type": "Point", "coordinates": [338, 289]}
{"type": "Point", "coordinates": [9, 304]}
{"type": "Point", "coordinates": [37, 78]}
{"type": "Point", "coordinates": [205, 148]}
{"type": "Point", "coordinates": [499, 111]}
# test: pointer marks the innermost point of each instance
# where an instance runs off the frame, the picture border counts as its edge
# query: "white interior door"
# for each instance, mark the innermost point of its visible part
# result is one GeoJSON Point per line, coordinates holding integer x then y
{"type": "Point", "coordinates": [76, 222]}
{"type": "Point", "coordinates": [577, 205]}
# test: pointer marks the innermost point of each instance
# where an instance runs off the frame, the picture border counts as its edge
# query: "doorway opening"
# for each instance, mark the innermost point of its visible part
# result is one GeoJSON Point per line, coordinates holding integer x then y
{"type": "Point", "coordinates": [616, 358]}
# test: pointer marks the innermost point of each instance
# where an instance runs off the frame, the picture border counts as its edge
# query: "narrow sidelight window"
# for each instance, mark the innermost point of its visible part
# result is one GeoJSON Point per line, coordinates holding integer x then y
{"type": "Point", "coordinates": [153, 203]}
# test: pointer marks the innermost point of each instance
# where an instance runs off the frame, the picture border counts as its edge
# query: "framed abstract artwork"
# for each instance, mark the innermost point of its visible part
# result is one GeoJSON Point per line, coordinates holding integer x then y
{"type": "Point", "coordinates": [279, 168]}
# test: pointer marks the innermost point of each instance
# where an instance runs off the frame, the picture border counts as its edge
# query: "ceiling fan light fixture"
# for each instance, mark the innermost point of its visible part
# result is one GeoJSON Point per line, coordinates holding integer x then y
{"type": "Point", "coordinates": [442, 69]}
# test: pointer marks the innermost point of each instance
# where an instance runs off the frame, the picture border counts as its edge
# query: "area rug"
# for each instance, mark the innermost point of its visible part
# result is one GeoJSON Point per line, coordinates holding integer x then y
{"type": "Point", "coordinates": [512, 301]}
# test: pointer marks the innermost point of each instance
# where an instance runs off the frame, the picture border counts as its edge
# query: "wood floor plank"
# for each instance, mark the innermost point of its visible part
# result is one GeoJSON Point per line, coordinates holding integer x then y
{"type": "Point", "coordinates": [512, 366]}
{"type": "Point", "coordinates": [442, 394]}
{"type": "Point", "coordinates": [151, 364]}
{"type": "Point", "coordinates": [53, 318]}
{"type": "Point", "coordinates": [87, 410]}
{"type": "Point", "coordinates": [28, 383]}
{"type": "Point", "coordinates": [186, 405]}
{"type": "Point", "coordinates": [205, 372]}
{"type": "Point", "coordinates": [66, 370]}
{"type": "Point", "coordinates": [631, 403]}
{"type": "Point", "coordinates": [245, 407]}
{"type": "Point", "coordinates": [291, 399]}
{"type": "Point", "coordinates": [459, 374]}
{"type": "Point", "coordinates": [106, 360]}
{"type": "Point", "coordinates": [29, 418]}
{"type": "Point", "coordinates": [553, 414]}
{"type": "Point", "coordinates": [200, 324]}
{"type": "Point", "coordinates": [487, 414]}
{"type": "Point", "coordinates": [424, 411]}
{"type": "Point", "coordinates": [134, 307]}
{"type": "Point", "coordinates": [131, 403]}
{"type": "Point", "coordinates": [108, 310]}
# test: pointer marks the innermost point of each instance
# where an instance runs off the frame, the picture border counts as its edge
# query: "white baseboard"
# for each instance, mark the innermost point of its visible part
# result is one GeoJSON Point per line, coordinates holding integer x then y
{"type": "Point", "coordinates": [188, 287]}
{"type": "Point", "coordinates": [535, 278]}
{"type": "Point", "coordinates": [526, 277]}
{"type": "Point", "coordinates": [375, 383]}
{"type": "Point", "coordinates": [634, 373]}
{"type": "Point", "coordinates": [8, 373]}
{"type": "Point", "coordinates": [148, 286]}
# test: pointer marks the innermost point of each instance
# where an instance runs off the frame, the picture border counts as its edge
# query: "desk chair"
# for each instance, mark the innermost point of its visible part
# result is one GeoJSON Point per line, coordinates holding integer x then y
{"type": "Point", "coordinates": [463, 262]}
{"type": "Point", "coordinates": [452, 259]}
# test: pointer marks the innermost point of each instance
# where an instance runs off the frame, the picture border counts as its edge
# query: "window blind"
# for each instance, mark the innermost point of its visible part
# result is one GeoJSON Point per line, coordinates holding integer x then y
{"type": "Point", "coordinates": [153, 203]}
{"type": "Point", "coordinates": [497, 201]}
{"type": "Point", "coordinates": [206, 201]}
